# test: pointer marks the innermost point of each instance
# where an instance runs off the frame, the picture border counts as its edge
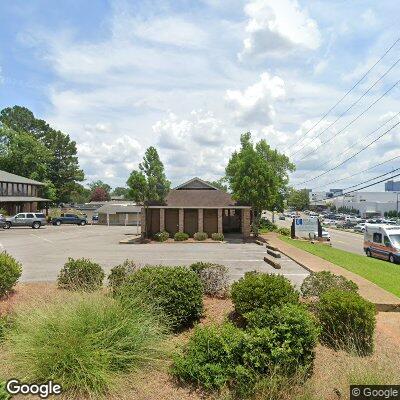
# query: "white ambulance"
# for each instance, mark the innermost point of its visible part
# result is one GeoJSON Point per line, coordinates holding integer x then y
{"type": "Point", "coordinates": [382, 241]}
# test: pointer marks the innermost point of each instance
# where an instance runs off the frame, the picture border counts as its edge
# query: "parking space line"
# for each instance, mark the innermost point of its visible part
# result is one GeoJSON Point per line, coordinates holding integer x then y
{"type": "Point", "coordinates": [39, 237]}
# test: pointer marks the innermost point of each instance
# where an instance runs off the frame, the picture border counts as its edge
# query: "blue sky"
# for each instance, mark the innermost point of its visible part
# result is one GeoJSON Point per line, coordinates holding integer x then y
{"type": "Point", "coordinates": [189, 77]}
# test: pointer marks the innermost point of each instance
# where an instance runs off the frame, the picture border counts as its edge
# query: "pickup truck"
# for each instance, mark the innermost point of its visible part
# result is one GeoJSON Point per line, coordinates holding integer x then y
{"type": "Point", "coordinates": [69, 219]}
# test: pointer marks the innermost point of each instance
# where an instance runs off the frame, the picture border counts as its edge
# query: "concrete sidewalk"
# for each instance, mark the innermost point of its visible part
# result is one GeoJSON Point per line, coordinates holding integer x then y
{"type": "Point", "coordinates": [383, 300]}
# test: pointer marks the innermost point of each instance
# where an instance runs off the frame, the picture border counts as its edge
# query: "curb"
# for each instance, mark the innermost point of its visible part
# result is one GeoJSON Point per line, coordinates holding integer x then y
{"type": "Point", "coordinates": [273, 263]}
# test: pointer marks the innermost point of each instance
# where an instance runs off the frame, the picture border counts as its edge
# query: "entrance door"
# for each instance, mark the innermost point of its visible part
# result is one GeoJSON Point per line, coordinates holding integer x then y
{"type": "Point", "coordinates": [171, 220]}
{"type": "Point", "coordinates": [190, 222]}
{"type": "Point", "coordinates": [210, 221]}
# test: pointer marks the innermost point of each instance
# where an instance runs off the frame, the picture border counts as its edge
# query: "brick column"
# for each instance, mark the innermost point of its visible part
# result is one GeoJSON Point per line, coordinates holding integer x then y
{"type": "Point", "coordinates": [143, 221]}
{"type": "Point", "coordinates": [162, 219]}
{"type": "Point", "coordinates": [181, 216]}
{"type": "Point", "coordinates": [246, 222]}
{"type": "Point", "coordinates": [200, 220]}
{"type": "Point", "coordinates": [220, 220]}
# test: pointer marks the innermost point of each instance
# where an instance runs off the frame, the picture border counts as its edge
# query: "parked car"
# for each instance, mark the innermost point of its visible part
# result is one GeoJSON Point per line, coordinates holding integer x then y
{"type": "Point", "coordinates": [34, 220]}
{"type": "Point", "coordinates": [325, 235]}
{"type": "Point", "coordinates": [359, 228]}
{"type": "Point", "coordinates": [73, 219]}
{"type": "Point", "coordinates": [282, 217]}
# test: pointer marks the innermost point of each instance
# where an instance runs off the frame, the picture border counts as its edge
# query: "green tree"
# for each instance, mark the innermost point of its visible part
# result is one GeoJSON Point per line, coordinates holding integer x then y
{"type": "Point", "coordinates": [49, 191]}
{"type": "Point", "coordinates": [258, 176]}
{"type": "Point", "coordinates": [220, 184]}
{"type": "Point", "coordinates": [63, 167]}
{"type": "Point", "coordinates": [79, 194]}
{"type": "Point", "coordinates": [99, 184]}
{"type": "Point", "coordinates": [22, 154]}
{"type": "Point", "coordinates": [121, 191]}
{"type": "Point", "coordinates": [299, 199]}
{"type": "Point", "coordinates": [149, 183]}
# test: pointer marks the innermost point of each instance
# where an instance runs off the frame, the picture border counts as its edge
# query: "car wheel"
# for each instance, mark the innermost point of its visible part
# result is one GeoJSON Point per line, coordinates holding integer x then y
{"type": "Point", "coordinates": [391, 258]}
{"type": "Point", "coordinates": [58, 223]}
{"type": "Point", "coordinates": [36, 225]}
{"type": "Point", "coordinates": [82, 223]}
{"type": "Point", "coordinates": [7, 225]}
{"type": "Point", "coordinates": [368, 252]}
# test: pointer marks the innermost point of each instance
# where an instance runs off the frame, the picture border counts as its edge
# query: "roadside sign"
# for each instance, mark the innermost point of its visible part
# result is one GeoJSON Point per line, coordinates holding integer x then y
{"type": "Point", "coordinates": [305, 227]}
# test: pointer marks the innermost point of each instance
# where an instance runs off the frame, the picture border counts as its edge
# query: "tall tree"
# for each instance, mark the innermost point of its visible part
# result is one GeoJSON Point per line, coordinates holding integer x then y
{"type": "Point", "coordinates": [299, 199]}
{"type": "Point", "coordinates": [99, 194]}
{"type": "Point", "coordinates": [121, 191]}
{"type": "Point", "coordinates": [149, 183]}
{"type": "Point", "coordinates": [100, 184]}
{"type": "Point", "coordinates": [220, 184]}
{"type": "Point", "coordinates": [63, 168]}
{"type": "Point", "coordinates": [258, 176]}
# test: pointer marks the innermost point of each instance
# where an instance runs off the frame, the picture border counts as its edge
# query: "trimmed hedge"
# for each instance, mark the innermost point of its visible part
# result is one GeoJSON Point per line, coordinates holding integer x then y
{"type": "Point", "coordinates": [213, 276]}
{"type": "Point", "coordinates": [161, 236]}
{"type": "Point", "coordinates": [317, 283]}
{"type": "Point", "coordinates": [284, 231]}
{"type": "Point", "coordinates": [81, 274]}
{"type": "Point", "coordinates": [181, 236]}
{"type": "Point", "coordinates": [119, 274]}
{"type": "Point", "coordinates": [348, 321]}
{"type": "Point", "coordinates": [258, 290]}
{"type": "Point", "coordinates": [219, 237]}
{"type": "Point", "coordinates": [10, 272]}
{"type": "Point", "coordinates": [200, 236]}
{"type": "Point", "coordinates": [175, 291]}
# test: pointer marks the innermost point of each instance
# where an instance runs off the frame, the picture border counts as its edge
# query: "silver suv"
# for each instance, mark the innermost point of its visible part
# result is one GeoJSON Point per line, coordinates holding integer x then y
{"type": "Point", "coordinates": [34, 220]}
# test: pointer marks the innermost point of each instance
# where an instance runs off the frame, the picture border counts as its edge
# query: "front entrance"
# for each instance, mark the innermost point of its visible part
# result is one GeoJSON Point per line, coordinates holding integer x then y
{"type": "Point", "coordinates": [190, 222]}
{"type": "Point", "coordinates": [171, 220]}
{"type": "Point", "coordinates": [231, 221]}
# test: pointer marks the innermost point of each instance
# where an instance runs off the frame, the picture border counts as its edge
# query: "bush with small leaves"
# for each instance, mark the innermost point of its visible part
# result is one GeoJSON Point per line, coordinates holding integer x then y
{"type": "Point", "coordinates": [214, 278]}
{"type": "Point", "coordinates": [120, 273]}
{"type": "Point", "coordinates": [175, 291]}
{"type": "Point", "coordinates": [284, 231]}
{"type": "Point", "coordinates": [181, 236]}
{"type": "Point", "coordinates": [348, 321]}
{"type": "Point", "coordinates": [81, 274]}
{"type": "Point", "coordinates": [161, 236]}
{"type": "Point", "coordinates": [10, 272]}
{"type": "Point", "coordinates": [218, 237]}
{"type": "Point", "coordinates": [200, 236]}
{"type": "Point", "coordinates": [317, 283]}
{"type": "Point", "coordinates": [258, 290]}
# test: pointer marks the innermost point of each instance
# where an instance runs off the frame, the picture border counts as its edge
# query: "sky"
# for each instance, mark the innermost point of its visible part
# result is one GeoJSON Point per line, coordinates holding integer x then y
{"type": "Point", "coordinates": [189, 77]}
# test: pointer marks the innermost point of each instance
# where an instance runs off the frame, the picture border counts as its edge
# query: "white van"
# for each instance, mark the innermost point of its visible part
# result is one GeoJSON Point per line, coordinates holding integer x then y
{"type": "Point", "coordinates": [382, 241]}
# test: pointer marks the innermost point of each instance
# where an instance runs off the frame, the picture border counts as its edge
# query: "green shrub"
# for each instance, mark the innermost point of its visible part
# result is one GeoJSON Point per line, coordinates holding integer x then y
{"type": "Point", "coordinates": [214, 278]}
{"type": "Point", "coordinates": [4, 395]}
{"type": "Point", "coordinates": [161, 236]}
{"type": "Point", "coordinates": [295, 328]}
{"type": "Point", "coordinates": [119, 274]}
{"type": "Point", "coordinates": [84, 343]}
{"type": "Point", "coordinates": [218, 237]}
{"type": "Point", "coordinates": [347, 320]}
{"type": "Point", "coordinates": [10, 272]}
{"type": "Point", "coordinates": [259, 290]}
{"type": "Point", "coordinates": [210, 357]}
{"type": "Point", "coordinates": [81, 274]}
{"type": "Point", "coordinates": [284, 231]}
{"type": "Point", "coordinates": [176, 291]}
{"type": "Point", "coordinates": [317, 283]}
{"type": "Point", "coordinates": [181, 236]}
{"type": "Point", "coordinates": [200, 236]}
{"type": "Point", "coordinates": [267, 225]}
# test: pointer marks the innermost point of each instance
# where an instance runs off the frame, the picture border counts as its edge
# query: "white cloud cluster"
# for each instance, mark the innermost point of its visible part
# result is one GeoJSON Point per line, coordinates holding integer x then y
{"type": "Point", "coordinates": [277, 27]}
{"type": "Point", "coordinates": [256, 103]}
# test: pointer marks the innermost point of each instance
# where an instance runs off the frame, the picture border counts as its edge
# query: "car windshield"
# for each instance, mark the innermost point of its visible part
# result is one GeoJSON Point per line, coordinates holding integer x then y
{"type": "Point", "coordinates": [395, 239]}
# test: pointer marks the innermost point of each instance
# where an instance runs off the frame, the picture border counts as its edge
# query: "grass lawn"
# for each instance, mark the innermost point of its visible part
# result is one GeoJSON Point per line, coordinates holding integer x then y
{"type": "Point", "coordinates": [382, 273]}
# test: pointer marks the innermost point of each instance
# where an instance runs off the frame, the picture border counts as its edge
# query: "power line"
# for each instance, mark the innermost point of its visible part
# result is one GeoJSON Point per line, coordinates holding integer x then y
{"type": "Point", "coordinates": [358, 173]}
{"type": "Point", "coordinates": [343, 97]}
{"type": "Point", "coordinates": [355, 154]}
{"type": "Point", "coordinates": [351, 122]}
{"type": "Point", "coordinates": [372, 179]}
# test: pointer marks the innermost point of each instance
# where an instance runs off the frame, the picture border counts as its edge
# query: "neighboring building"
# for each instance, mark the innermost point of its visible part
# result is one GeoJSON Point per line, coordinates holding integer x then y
{"type": "Point", "coordinates": [20, 194]}
{"type": "Point", "coordinates": [119, 214]}
{"type": "Point", "coordinates": [392, 186]}
{"type": "Point", "coordinates": [197, 206]}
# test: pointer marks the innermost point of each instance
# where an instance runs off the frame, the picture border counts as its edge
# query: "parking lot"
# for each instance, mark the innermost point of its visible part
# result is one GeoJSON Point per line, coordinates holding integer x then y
{"type": "Point", "coordinates": [44, 251]}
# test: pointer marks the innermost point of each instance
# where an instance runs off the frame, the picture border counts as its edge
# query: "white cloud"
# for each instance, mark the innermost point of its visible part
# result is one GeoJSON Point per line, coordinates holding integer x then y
{"type": "Point", "coordinates": [255, 104]}
{"type": "Point", "coordinates": [278, 26]}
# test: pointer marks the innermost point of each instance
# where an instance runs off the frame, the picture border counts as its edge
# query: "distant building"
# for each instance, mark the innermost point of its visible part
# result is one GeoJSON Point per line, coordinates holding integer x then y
{"type": "Point", "coordinates": [20, 194]}
{"type": "Point", "coordinates": [127, 213]}
{"type": "Point", "coordinates": [392, 186]}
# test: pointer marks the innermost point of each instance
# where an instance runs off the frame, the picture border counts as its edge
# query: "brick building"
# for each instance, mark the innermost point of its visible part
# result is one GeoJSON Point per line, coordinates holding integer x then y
{"type": "Point", "coordinates": [197, 206]}
{"type": "Point", "coordinates": [20, 194]}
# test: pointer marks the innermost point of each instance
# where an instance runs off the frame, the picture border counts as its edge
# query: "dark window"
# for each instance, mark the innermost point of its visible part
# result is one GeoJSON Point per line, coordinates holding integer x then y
{"type": "Point", "coordinates": [40, 216]}
{"type": "Point", "coordinates": [377, 237]}
{"type": "Point", "coordinates": [71, 215]}
{"type": "Point", "coordinates": [386, 241]}
{"type": "Point", "coordinates": [30, 216]}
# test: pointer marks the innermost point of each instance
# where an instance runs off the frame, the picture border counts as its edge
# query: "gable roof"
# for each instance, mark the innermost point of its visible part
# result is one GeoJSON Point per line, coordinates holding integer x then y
{"type": "Point", "coordinates": [195, 184]}
{"type": "Point", "coordinates": [9, 177]}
